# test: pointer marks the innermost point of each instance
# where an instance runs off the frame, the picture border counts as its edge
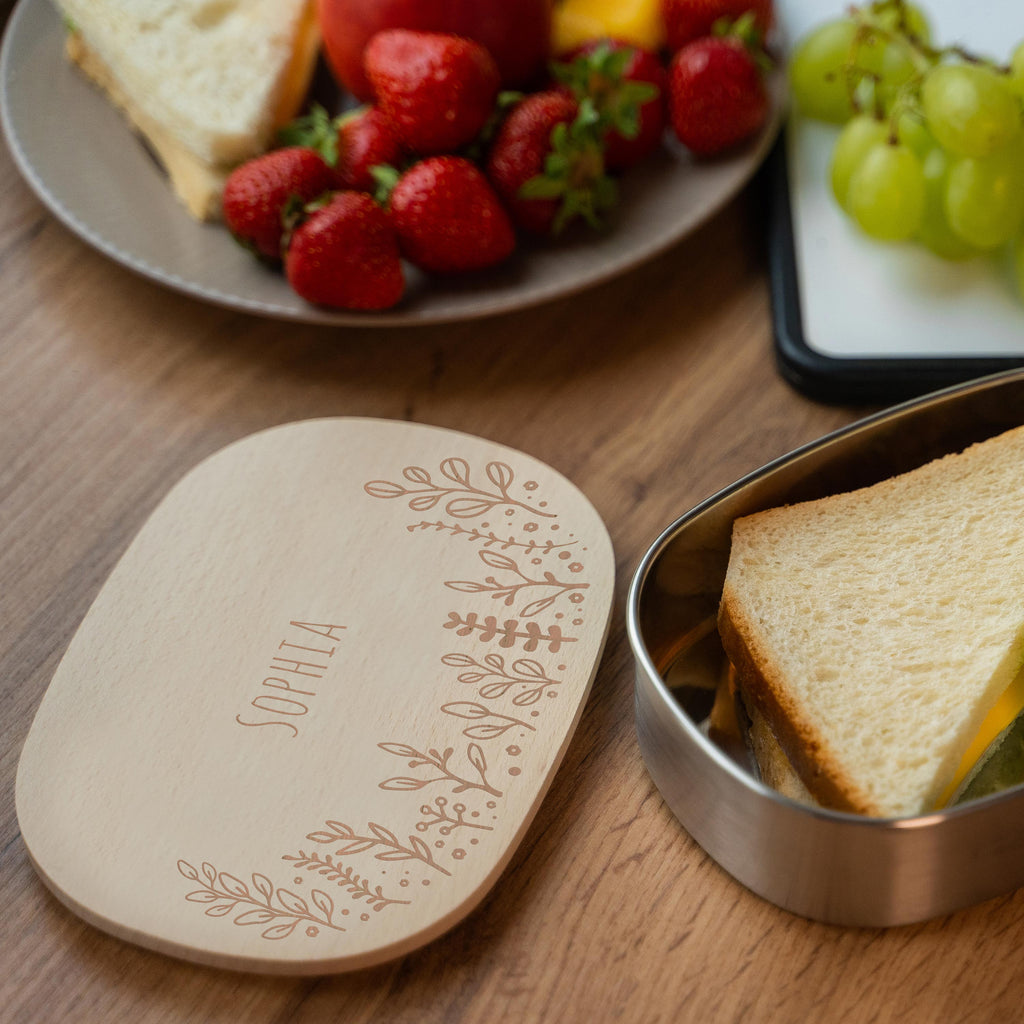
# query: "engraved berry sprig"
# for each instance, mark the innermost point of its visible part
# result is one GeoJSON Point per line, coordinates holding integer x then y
{"type": "Point", "coordinates": [462, 498]}
{"type": "Point", "coordinates": [439, 815]}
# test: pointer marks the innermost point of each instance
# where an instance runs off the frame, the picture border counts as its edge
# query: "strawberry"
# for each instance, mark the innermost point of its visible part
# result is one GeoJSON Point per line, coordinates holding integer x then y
{"type": "Point", "coordinates": [436, 89]}
{"type": "Point", "coordinates": [448, 217]}
{"type": "Point", "coordinates": [717, 97]}
{"type": "Point", "coordinates": [626, 85]}
{"type": "Point", "coordinates": [353, 142]}
{"type": "Point", "coordinates": [547, 165]}
{"type": "Point", "coordinates": [365, 140]}
{"type": "Point", "coordinates": [345, 254]}
{"type": "Point", "coordinates": [686, 20]}
{"type": "Point", "coordinates": [257, 192]}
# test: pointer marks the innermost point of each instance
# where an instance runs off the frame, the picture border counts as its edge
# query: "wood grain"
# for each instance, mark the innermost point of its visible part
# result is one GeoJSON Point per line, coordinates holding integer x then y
{"type": "Point", "coordinates": [649, 393]}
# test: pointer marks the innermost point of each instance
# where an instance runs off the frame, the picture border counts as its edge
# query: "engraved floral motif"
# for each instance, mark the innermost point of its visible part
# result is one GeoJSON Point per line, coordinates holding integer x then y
{"type": "Point", "coordinates": [462, 494]}
{"type": "Point", "coordinates": [280, 910]}
{"type": "Point", "coordinates": [509, 591]}
{"type": "Point", "coordinates": [446, 823]}
{"type": "Point", "coordinates": [491, 724]}
{"type": "Point", "coordinates": [532, 635]}
{"type": "Point", "coordinates": [462, 499]}
{"type": "Point", "coordinates": [439, 761]}
{"type": "Point", "coordinates": [490, 539]}
{"type": "Point", "coordinates": [344, 877]}
{"type": "Point", "coordinates": [495, 679]}
{"type": "Point", "coordinates": [348, 842]}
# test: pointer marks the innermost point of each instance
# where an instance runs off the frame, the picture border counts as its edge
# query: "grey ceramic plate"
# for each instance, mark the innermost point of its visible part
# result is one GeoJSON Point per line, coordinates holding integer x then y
{"type": "Point", "coordinates": [79, 156]}
{"type": "Point", "coordinates": [834, 867]}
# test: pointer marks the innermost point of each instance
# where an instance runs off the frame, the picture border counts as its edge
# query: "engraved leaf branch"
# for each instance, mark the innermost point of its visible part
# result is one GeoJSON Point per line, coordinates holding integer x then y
{"type": "Point", "coordinates": [490, 539]}
{"type": "Point", "coordinates": [462, 499]}
{"type": "Point", "coordinates": [492, 725]}
{"type": "Point", "coordinates": [261, 904]}
{"type": "Point", "coordinates": [439, 761]}
{"type": "Point", "coordinates": [497, 680]}
{"type": "Point", "coordinates": [508, 633]}
{"type": "Point", "coordinates": [509, 591]}
{"type": "Point", "coordinates": [344, 877]}
{"type": "Point", "coordinates": [348, 842]}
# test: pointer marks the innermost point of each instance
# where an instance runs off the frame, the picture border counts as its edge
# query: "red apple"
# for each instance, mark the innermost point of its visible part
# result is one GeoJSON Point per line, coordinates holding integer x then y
{"type": "Point", "coordinates": [517, 32]}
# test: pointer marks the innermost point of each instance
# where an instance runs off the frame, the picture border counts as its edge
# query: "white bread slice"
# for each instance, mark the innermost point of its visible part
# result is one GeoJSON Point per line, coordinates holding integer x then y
{"type": "Point", "coordinates": [874, 630]}
{"type": "Point", "coordinates": [207, 82]}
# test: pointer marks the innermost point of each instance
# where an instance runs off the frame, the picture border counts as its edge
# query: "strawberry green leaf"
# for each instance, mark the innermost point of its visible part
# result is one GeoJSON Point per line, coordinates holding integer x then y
{"type": "Point", "coordinates": [608, 100]}
{"type": "Point", "coordinates": [387, 178]}
{"type": "Point", "coordinates": [574, 173]}
{"type": "Point", "coordinates": [316, 130]}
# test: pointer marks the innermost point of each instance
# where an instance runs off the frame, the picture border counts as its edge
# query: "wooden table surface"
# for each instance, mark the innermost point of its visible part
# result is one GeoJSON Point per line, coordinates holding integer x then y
{"type": "Point", "coordinates": [650, 393]}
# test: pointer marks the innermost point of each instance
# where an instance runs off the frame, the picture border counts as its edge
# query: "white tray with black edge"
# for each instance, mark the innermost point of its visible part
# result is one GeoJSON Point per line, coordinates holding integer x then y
{"type": "Point", "coordinates": [858, 320]}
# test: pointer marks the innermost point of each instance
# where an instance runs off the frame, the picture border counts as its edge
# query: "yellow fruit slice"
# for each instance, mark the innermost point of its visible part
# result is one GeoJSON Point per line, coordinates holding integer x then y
{"type": "Point", "coordinates": [633, 21]}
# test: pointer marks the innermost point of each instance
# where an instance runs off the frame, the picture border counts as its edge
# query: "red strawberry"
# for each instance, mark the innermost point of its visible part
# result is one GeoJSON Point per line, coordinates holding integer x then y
{"type": "Point", "coordinates": [257, 192]}
{"type": "Point", "coordinates": [438, 90]}
{"type": "Point", "coordinates": [346, 255]}
{"type": "Point", "coordinates": [686, 20]}
{"type": "Point", "coordinates": [717, 98]}
{"type": "Point", "coordinates": [547, 165]}
{"type": "Point", "coordinates": [626, 84]}
{"type": "Point", "coordinates": [448, 217]}
{"type": "Point", "coordinates": [365, 140]}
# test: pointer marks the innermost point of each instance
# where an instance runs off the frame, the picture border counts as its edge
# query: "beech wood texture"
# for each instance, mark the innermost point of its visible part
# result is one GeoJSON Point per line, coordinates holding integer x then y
{"type": "Point", "coordinates": [318, 702]}
{"type": "Point", "coordinates": [648, 393]}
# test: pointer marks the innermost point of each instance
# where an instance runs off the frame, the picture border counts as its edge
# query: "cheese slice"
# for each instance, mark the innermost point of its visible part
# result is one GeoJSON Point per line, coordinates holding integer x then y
{"type": "Point", "coordinates": [1009, 706]}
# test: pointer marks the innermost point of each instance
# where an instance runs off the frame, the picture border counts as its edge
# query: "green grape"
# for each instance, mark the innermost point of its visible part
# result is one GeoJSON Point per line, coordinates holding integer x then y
{"type": "Point", "coordinates": [934, 231]}
{"type": "Point", "coordinates": [915, 22]}
{"type": "Point", "coordinates": [858, 136]}
{"type": "Point", "coordinates": [890, 64]}
{"type": "Point", "coordinates": [1018, 263]}
{"type": "Point", "coordinates": [985, 197]}
{"type": "Point", "coordinates": [969, 109]}
{"type": "Point", "coordinates": [1016, 79]}
{"type": "Point", "coordinates": [886, 196]}
{"type": "Point", "coordinates": [913, 133]}
{"type": "Point", "coordinates": [816, 72]}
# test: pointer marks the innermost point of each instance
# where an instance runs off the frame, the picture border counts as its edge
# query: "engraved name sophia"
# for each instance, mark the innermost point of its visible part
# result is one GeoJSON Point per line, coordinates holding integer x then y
{"type": "Point", "coordinates": [289, 689]}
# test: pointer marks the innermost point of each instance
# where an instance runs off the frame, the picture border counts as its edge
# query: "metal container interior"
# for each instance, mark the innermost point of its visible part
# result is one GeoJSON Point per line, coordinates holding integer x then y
{"type": "Point", "coordinates": [829, 866]}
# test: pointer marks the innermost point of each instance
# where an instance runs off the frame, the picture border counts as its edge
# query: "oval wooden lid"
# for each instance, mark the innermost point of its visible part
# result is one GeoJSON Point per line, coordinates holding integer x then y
{"type": "Point", "coordinates": [313, 710]}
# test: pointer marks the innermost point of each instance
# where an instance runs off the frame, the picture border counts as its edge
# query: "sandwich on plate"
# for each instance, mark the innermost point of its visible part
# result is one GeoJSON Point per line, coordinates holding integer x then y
{"type": "Point", "coordinates": [207, 83]}
{"type": "Point", "coordinates": [877, 636]}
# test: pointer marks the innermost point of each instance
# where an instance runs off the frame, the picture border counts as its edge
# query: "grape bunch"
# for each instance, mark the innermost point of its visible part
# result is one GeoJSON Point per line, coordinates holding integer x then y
{"type": "Point", "coordinates": [931, 147]}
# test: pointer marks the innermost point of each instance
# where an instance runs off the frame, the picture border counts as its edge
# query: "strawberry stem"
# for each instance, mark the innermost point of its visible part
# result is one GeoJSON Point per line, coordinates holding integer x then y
{"type": "Point", "coordinates": [316, 130]}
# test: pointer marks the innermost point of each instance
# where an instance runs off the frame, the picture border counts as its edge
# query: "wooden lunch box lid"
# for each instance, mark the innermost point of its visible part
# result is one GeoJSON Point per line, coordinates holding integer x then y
{"type": "Point", "coordinates": [313, 710]}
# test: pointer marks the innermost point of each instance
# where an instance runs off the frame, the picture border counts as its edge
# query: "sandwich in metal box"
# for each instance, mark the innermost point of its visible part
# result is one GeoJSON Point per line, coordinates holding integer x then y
{"type": "Point", "coordinates": [830, 866]}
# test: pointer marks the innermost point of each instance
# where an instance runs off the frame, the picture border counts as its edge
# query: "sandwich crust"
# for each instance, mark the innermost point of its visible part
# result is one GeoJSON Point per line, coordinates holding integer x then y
{"type": "Point", "coordinates": [803, 746]}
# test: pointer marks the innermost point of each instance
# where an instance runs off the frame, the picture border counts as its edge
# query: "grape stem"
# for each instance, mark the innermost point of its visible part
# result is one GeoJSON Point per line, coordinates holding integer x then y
{"type": "Point", "coordinates": [871, 28]}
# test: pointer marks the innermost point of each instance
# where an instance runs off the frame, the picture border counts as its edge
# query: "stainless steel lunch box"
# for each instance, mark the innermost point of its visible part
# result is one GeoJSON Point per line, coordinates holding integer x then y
{"type": "Point", "coordinates": [829, 866]}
